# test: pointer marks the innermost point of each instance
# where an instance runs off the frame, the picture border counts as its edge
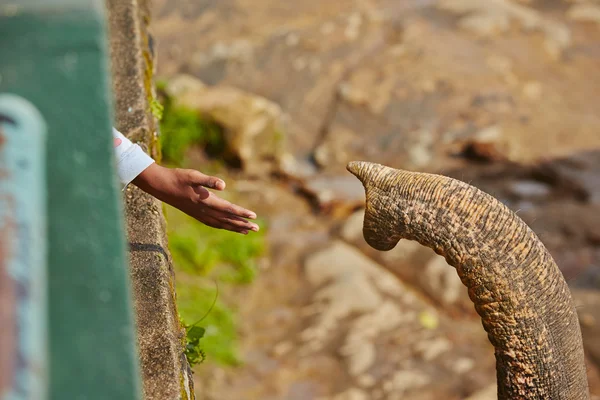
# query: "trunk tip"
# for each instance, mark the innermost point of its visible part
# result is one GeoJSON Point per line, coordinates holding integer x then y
{"type": "Point", "coordinates": [366, 171]}
{"type": "Point", "coordinates": [359, 169]}
{"type": "Point", "coordinates": [354, 167]}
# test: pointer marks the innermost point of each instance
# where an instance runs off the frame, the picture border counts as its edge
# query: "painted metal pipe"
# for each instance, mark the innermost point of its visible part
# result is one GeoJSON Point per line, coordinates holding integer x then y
{"type": "Point", "coordinates": [23, 305]}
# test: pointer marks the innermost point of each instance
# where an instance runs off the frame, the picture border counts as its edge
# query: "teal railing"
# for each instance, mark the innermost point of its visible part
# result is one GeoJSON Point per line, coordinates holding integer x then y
{"type": "Point", "coordinates": [66, 318]}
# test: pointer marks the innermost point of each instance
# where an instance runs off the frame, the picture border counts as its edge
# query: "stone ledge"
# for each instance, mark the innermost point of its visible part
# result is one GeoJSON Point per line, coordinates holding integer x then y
{"type": "Point", "coordinates": [165, 372]}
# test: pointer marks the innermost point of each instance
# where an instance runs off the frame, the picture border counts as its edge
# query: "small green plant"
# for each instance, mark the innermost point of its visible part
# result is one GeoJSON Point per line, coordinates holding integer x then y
{"type": "Point", "coordinates": [193, 352]}
{"type": "Point", "coordinates": [193, 335]}
{"type": "Point", "coordinates": [156, 108]}
{"type": "Point", "coordinates": [217, 338]}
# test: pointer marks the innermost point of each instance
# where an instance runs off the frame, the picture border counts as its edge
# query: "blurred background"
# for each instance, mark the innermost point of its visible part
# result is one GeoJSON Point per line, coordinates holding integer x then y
{"type": "Point", "coordinates": [277, 96]}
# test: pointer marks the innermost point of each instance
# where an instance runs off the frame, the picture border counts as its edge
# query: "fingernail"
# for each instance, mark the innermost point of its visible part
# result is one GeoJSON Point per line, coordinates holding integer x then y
{"type": "Point", "coordinates": [251, 215]}
{"type": "Point", "coordinates": [244, 232]}
{"type": "Point", "coordinates": [255, 228]}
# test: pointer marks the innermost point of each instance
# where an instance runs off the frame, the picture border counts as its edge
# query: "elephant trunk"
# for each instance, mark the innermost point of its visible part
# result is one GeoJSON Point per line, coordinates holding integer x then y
{"type": "Point", "coordinates": [519, 292]}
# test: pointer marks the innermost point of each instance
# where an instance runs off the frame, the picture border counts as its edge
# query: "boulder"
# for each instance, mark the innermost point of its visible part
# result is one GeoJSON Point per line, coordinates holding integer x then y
{"type": "Point", "coordinates": [254, 127]}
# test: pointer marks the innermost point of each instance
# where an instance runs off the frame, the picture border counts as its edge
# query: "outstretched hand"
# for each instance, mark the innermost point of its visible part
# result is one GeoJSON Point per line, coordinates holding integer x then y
{"type": "Point", "coordinates": [186, 190]}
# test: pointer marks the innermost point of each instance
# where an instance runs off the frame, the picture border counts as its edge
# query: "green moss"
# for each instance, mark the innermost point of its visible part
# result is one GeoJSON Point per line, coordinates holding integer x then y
{"type": "Point", "coordinates": [203, 256]}
{"type": "Point", "coordinates": [182, 128]}
{"type": "Point", "coordinates": [198, 249]}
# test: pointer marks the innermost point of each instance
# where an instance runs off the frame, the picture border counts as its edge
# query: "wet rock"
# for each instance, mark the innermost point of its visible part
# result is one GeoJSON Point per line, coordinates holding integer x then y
{"type": "Point", "coordinates": [254, 127]}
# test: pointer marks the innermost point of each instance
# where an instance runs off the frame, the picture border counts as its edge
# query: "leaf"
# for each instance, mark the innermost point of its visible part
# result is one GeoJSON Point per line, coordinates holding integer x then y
{"type": "Point", "coordinates": [195, 333]}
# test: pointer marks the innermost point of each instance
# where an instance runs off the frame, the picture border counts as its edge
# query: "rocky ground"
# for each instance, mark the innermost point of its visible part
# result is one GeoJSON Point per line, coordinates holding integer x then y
{"type": "Point", "coordinates": [503, 96]}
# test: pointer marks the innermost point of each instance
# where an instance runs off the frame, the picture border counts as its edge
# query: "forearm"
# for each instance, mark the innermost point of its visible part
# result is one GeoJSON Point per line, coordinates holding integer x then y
{"type": "Point", "coordinates": [156, 181]}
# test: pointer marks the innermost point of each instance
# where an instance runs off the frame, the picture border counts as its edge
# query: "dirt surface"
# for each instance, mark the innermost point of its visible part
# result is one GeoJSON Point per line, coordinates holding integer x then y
{"type": "Point", "coordinates": [502, 96]}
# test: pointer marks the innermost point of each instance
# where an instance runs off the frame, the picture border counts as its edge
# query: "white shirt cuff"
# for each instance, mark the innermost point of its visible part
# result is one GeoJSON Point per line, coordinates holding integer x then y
{"type": "Point", "coordinates": [131, 159]}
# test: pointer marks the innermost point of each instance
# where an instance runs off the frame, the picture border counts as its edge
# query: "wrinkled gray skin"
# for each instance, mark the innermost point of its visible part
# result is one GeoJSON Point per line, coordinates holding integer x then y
{"type": "Point", "coordinates": [519, 292]}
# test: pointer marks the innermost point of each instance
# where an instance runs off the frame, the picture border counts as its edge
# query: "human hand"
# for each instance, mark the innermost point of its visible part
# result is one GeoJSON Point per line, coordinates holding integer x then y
{"type": "Point", "coordinates": [185, 189]}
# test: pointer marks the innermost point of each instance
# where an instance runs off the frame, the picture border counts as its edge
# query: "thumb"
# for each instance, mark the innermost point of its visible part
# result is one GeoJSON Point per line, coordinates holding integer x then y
{"type": "Point", "coordinates": [211, 182]}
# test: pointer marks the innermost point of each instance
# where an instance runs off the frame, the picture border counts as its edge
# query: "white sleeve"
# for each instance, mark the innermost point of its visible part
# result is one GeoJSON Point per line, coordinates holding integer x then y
{"type": "Point", "coordinates": [131, 159]}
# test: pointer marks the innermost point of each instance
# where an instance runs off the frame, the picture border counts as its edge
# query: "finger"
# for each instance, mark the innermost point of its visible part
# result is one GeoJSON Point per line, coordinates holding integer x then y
{"type": "Point", "coordinates": [221, 224]}
{"type": "Point", "coordinates": [198, 178]}
{"type": "Point", "coordinates": [216, 203]}
{"type": "Point", "coordinates": [235, 221]}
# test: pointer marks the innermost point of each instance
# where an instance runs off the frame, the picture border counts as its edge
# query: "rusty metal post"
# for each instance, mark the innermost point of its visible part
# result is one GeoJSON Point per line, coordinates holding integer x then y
{"type": "Point", "coordinates": [23, 361]}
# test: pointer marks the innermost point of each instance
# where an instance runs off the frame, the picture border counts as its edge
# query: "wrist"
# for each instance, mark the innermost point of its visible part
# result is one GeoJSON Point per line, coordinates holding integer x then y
{"type": "Point", "coordinates": [154, 180]}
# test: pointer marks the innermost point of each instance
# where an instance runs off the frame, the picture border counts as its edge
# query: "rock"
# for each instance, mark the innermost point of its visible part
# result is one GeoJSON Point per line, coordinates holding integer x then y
{"type": "Point", "coordinates": [416, 264]}
{"type": "Point", "coordinates": [303, 390]}
{"type": "Point", "coordinates": [578, 173]}
{"type": "Point", "coordinates": [406, 380]}
{"type": "Point", "coordinates": [529, 189]}
{"type": "Point", "coordinates": [494, 16]}
{"type": "Point", "coordinates": [360, 357]}
{"type": "Point", "coordinates": [352, 394]}
{"type": "Point", "coordinates": [340, 191]}
{"type": "Point", "coordinates": [488, 393]}
{"type": "Point", "coordinates": [463, 365]}
{"type": "Point", "coordinates": [403, 252]}
{"type": "Point", "coordinates": [588, 308]}
{"type": "Point", "coordinates": [254, 127]}
{"type": "Point", "coordinates": [298, 169]}
{"type": "Point", "coordinates": [358, 308]}
{"type": "Point", "coordinates": [420, 154]}
{"type": "Point", "coordinates": [430, 350]}
{"type": "Point", "coordinates": [183, 83]}
{"type": "Point", "coordinates": [441, 282]}
{"type": "Point", "coordinates": [352, 230]}
{"type": "Point", "coordinates": [365, 82]}
{"type": "Point", "coordinates": [482, 151]}
{"type": "Point", "coordinates": [485, 146]}
{"type": "Point", "coordinates": [585, 12]}
{"type": "Point", "coordinates": [485, 24]}
{"type": "Point", "coordinates": [349, 100]}
{"type": "Point", "coordinates": [532, 90]}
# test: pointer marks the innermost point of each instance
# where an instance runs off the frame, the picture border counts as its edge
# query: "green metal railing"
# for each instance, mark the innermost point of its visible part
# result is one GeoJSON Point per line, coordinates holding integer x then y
{"type": "Point", "coordinates": [66, 317]}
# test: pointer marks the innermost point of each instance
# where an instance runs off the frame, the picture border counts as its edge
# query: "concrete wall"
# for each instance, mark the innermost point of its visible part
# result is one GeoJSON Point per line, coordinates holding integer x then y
{"type": "Point", "coordinates": [165, 371]}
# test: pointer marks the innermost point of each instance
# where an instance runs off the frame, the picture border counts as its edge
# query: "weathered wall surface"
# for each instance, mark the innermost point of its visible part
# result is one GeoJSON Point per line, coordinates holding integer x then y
{"type": "Point", "coordinates": [165, 372]}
